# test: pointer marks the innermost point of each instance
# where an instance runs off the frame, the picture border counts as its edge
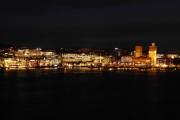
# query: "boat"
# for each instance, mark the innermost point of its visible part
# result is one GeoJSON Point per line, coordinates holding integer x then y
{"type": "Point", "coordinates": [144, 67]}
{"type": "Point", "coordinates": [12, 66]}
{"type": "Point", "coordinates": [2, 68]}
{"type": "Point", "coordinates": [60, 66]}
{"type": "Point", "coordinates": [94, 66]}
{"type": "Point", "coordinates": [169, 69]}
{"type": "Point", "coordinates": [176, 69]}
{"type": "Point", "coordinates": [37, 66]}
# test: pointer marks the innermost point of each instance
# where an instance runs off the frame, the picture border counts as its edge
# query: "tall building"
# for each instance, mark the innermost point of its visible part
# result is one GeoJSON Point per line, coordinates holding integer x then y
{"type": "Point", "coordinates": [138, 51]}
{"type": "Point", "coordinates": [153, 53]}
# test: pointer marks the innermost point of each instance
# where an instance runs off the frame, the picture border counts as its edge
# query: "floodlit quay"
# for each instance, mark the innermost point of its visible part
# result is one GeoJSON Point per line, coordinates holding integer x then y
{"type": "Point", "coordinates": [24, 57]}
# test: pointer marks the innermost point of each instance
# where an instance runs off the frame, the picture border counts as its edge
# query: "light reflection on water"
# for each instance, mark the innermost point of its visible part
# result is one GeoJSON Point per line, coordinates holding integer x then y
{"type": "Point", "coordinates": [84, 69]}
{"type": "Point", "coordinates": [79, 92]}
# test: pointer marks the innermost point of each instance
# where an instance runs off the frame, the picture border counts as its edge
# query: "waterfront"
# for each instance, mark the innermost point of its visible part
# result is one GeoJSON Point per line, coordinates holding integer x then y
{"type": "Point", "coordinates": [84, 93]}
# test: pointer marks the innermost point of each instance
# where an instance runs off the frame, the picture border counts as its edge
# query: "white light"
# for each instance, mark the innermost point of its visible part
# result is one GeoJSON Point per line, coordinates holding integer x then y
{"type": "Point", "coordinates": [164, 65]}
{"type": "Point", "coordinates": [116, 48]}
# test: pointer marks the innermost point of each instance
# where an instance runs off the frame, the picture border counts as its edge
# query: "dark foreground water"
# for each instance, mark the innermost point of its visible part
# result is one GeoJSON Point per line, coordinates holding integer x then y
{"type": "Point", "coordinates": [88, 94]}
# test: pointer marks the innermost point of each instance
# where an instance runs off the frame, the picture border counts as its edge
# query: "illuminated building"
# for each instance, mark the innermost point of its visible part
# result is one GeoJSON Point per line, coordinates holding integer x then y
{"type": "Point", "coordinates": [84, 59]}
{"type": "Point", "coordinates": [172, 55]}
{"type": "Point", "coordinates": [32, 52]}
{"type": "Point", "coordinates": [75, 58]}
{"type": "Point", "coordinates": [141, 61]}
{"type": "Point", "coordinates": [138, 51]}
{"type": "Point", "coordinates": [153, 53]}
{"type": "Point", "coordinates": [126, 59]}
{"type": "Point", "coordinates": [118, 51]}
{"type": "Point", "coordinates": [163, 61]}
{"type": "Point", "coordinates": [159, 55]}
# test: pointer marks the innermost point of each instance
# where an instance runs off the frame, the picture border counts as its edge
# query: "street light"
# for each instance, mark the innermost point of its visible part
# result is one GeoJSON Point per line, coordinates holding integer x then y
{"type": "Point", "coordinates": [36, 52]}
{"type": "Point", "coordinates": [172, 57]}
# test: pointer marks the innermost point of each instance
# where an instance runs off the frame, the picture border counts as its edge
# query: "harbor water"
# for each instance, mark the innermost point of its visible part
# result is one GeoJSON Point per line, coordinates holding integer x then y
{"type": "Point", "coordinates": [87, 94]}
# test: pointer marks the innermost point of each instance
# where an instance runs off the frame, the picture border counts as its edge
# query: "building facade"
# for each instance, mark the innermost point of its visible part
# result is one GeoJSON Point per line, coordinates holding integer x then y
{"type": "Point", "coordinates": [138, 51]}
{"type": "Point", "coordinates": [153, 54]}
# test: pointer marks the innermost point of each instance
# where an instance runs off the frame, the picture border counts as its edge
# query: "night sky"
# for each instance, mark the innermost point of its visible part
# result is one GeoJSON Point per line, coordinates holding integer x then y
{"type": "Point", "coordinates": [91, 23]}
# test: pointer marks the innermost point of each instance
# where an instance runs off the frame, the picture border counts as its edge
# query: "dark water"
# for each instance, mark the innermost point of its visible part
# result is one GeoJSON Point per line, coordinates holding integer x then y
{"type": "Point", "coordinates": [88, 94]}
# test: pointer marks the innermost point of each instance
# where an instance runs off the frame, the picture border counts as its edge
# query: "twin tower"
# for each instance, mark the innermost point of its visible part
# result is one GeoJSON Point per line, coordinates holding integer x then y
{"type": "Point", "coordinates": [152, 53]}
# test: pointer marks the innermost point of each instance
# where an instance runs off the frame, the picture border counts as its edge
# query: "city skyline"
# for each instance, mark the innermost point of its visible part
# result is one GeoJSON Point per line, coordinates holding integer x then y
{"type": "Point", "coordinates": [89, 59]}
{"type": "Point", "coordinates": [118, 58]}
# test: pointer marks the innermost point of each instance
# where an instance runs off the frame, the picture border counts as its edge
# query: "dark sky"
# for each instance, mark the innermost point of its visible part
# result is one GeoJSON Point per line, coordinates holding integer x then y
{"type": "Point", "coordinates": [91, 23]}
